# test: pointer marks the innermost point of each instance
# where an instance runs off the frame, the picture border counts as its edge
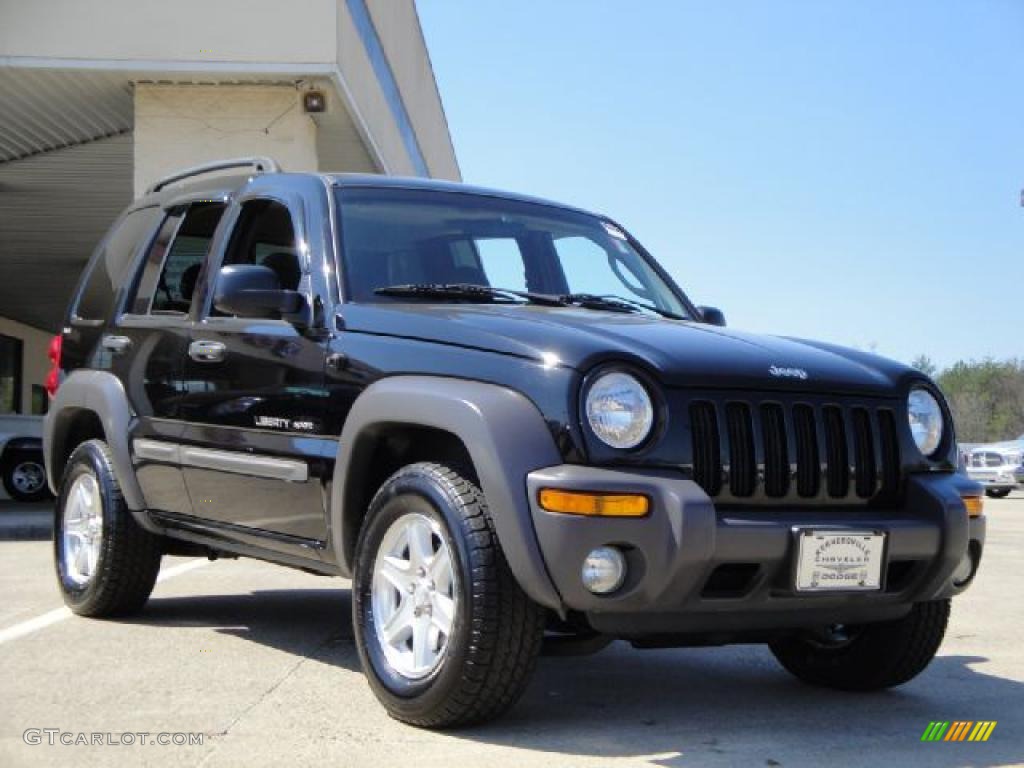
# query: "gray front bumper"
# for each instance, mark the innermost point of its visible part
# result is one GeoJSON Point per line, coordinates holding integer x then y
{"type": "Point", "coordinates": [674, 551]}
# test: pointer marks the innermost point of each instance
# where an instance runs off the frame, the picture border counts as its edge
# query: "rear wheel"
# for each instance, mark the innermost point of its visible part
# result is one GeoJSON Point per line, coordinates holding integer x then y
{"type": "Point", "coordinates": [1000, 493]}
{"type": "Point", "coordinates": [24, 477]}
{"type": "Point", "coordinates": [867, 657]}
{"type": "Point", "coordinates": [106, 564]}
{"type": "Point", "coordinates": [446, 635]}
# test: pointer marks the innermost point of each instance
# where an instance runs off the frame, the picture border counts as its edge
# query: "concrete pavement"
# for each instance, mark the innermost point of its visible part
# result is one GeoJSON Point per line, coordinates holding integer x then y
{"type": "Point", "coordinates": [260, 661]}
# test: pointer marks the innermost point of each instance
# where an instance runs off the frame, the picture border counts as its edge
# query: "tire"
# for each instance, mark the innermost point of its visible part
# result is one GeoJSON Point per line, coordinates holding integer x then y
{"type": "Point", "coordinates": [118, 580]}
{"type": "Point", "coordinates": [485, 662]}
{"type": "Point", "coordinates": [873, 656]}
{"type": "Point", "coordinates": [1000, 493]}
{"type": "Point", "coordinates": [24, 477]}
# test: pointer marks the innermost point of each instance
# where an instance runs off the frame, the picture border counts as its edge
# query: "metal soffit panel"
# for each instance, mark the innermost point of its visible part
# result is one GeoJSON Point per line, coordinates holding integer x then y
{"type": "Point", "coordinates": [47, 109]}
{"type": "Point", "coordinates": [54, 208]}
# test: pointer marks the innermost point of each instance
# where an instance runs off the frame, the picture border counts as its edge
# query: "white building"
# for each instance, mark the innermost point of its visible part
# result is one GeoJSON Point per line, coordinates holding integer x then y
{"type": "Point", "coordinates": [100, 97]}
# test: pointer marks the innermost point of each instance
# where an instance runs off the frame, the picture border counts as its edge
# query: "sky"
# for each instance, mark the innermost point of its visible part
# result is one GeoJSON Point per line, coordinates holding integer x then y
{"type": "Point", "coordinates": [846, 171]}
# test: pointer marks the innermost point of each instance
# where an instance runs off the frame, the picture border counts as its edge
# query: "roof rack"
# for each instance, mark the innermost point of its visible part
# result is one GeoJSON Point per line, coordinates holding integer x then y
{"type": "Point", "coordinates": [261, 164]}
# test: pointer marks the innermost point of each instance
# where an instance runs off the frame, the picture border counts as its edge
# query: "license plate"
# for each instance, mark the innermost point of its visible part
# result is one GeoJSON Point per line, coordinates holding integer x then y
{"type": "Point", "coordinates": [839, 561]}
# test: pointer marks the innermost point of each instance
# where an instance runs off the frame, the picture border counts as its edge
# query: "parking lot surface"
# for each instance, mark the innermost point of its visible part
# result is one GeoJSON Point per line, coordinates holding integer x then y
{"type": "Point", "coordinates": [260, 661]}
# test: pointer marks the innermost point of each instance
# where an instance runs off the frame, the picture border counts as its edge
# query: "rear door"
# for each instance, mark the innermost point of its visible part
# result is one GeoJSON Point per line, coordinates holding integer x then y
{"type": "Point", "coordinates": [254, 454]}
{"type": "Point", "coordinates": [148, 344]}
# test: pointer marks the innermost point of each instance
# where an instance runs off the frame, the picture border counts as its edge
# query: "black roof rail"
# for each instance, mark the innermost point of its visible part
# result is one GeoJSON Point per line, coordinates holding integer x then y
{"type": "Point", "coordinates": [261, 164]}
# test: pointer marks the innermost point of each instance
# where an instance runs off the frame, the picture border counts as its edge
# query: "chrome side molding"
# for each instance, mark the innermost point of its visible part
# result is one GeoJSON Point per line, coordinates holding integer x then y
{"type": "Point", "coordinates": [272, 467]}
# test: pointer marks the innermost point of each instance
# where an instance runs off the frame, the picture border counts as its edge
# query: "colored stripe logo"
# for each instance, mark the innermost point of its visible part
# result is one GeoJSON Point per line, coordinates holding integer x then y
{"type": "Point", "coordinates": [959, 730]}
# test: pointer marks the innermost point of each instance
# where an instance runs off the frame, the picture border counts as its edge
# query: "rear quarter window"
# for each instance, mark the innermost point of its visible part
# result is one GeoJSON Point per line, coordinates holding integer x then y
{"type": "Point", "coordinates": [108, 269]}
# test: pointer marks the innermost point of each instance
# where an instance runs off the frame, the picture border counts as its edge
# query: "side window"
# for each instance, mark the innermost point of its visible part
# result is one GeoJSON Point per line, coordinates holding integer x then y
{"type": "Point", "coordinates": [264, 235]}
{"type": "Point", "coordinates": [175, 259]}
{"type": "Point", "coordinates": [110, 266]}
{"type": "Point", "coordinates": [502, 262]}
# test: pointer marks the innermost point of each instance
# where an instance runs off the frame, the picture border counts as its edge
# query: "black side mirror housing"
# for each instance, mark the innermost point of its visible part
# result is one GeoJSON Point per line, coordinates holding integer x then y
{"type": "Point", "coordinates": [712, 316]}
{"type": "Point", "coordinates": [252, 290]}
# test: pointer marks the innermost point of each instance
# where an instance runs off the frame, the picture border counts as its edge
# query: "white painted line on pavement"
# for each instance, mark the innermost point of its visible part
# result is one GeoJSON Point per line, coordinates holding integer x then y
{"type": "Point", "coordinates": [33, 625]}
{"type": "Point", "coordinates": [59, 614]}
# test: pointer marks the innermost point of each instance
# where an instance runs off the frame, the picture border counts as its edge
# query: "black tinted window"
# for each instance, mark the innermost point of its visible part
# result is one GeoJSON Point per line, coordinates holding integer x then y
{"type": "Point", "coordinates": [172, 269]}
{"type": "Point", "coordinates": [110, 266]}
{"type": "Point", "coordinates": [264, 235]}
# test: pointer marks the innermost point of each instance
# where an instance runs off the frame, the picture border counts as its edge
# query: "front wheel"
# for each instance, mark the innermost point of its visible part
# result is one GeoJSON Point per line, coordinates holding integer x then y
{"type": "Point", "coordinates": [446, 635]}
{"type": "Point", "coordinates": [24, 477]}
{"type": "Point", "coordinates": [1000, 493]}
{"type": "Point", "coordinates": [868, 657]}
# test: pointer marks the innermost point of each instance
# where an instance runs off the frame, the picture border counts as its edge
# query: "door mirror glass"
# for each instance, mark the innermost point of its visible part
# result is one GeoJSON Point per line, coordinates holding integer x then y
{"type": "Point", "coordinates": [712, 316]}
{"type": "Point", "coordinates": [253, 290]}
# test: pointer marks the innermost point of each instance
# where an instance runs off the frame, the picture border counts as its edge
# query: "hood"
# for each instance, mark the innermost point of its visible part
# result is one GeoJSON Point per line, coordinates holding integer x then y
{"type": "Point", "coordinates": [678, 352]}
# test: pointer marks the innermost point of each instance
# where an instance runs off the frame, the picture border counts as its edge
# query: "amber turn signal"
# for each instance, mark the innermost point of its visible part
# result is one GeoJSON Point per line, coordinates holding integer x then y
{"type": "Point", "coordinates": [974, 505]}
{"type": "Point", "coordinates": [594, 504]}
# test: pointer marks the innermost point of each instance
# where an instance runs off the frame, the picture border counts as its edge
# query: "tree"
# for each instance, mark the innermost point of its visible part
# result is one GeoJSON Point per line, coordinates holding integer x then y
{"type": "Point", "coordinates": [925, 365]}
{"type": "Point", "coordinates": [986, 397]}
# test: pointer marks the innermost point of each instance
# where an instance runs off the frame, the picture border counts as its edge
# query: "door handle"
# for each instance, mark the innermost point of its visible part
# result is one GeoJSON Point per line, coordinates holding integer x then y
{"type": "Point", "coordinates": [206, 351]}
{"type": "Point", "coordinates": [116, 344]}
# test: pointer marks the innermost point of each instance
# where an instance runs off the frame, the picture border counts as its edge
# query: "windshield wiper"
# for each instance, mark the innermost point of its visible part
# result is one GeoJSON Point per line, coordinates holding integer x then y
{"type": "Point", "coordinates": [615, 304]}
{"type": "Point", "coordinates": [468, 292]}
{"type": "Point", "coordinates": [486, 293]}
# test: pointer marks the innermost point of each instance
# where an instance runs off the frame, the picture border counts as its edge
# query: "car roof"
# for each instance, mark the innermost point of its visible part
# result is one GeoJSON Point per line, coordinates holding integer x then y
{"type": "Point", "coordinates": [438, 185]}
{"type": "Point", "coordinates": [222, 186]}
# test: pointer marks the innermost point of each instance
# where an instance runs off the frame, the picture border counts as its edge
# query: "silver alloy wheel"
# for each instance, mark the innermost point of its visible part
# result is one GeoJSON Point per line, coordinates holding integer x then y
{"type": "Point", "coordinates": [28, 477]}
{"type": "Point", "coordinates": [414, 595]}
{"type": "Point", "coordinates": [82, 529]}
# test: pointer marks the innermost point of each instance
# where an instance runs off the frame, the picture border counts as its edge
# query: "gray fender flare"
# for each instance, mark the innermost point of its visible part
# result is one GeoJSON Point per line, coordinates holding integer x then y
{"type": "Point", "coordinates": [103, 394]}
{"type": "Point", "coordinates": [505, 435]}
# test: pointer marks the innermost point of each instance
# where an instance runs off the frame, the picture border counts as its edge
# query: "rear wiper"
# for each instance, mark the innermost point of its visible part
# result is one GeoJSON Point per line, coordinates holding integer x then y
{"type": "Point", "coordinates": [615, 304]}
{"type": "Point", "coordinates": [467, 291]}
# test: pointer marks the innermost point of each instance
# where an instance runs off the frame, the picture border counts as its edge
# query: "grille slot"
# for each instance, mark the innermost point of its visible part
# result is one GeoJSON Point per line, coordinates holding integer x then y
{"type": "Point", "coordinates": [776, 458]}
{"type": "Point", "coordinates": [707, 456]}
{"type": "Point", "coordinates": [863, 454]}
{"type": "Point", "coordinates": [742, 459]}
{"type": "Point", "coordinates": [801, 451]}
{"type": "Point", "coordinates": [808, 463]}
{"type": "Point", "coordinates": [838, 472]}
{"type": "Point", "coordinates": [890, 443]}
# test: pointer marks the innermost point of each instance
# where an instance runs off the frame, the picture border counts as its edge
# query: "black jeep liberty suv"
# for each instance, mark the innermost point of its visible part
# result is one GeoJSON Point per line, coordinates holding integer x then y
{"type": "Point", "coordinates": [505, 423]}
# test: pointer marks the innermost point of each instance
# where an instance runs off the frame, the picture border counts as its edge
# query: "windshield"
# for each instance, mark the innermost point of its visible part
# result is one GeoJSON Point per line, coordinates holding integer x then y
{"type": "Point", "coordinates": [403, 237]}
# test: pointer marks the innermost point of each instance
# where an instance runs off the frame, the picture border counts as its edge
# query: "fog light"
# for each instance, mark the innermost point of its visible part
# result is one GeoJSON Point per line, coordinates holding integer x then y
{"type": "Point", "coordinates": [965, 569]}
{"type": "Point", "coordinates": [604, 570]}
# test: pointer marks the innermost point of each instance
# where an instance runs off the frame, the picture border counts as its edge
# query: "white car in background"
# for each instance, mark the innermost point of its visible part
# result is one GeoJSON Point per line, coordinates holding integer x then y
{"type": "Point", "coordinates": [996, 466]}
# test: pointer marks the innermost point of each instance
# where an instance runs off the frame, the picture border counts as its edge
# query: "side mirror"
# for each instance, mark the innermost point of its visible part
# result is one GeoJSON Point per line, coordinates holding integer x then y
{"type": "Point", "coordinates": [712, 316]}
{"type": "Point", "coordinates": [251, 290]}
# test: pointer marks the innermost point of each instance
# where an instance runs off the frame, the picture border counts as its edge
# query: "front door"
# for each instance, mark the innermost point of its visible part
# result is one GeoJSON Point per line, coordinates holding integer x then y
{"type": "Point", "coordinates": [254, 405]}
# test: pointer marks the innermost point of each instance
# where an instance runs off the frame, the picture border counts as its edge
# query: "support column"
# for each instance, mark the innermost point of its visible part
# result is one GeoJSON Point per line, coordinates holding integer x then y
{"type": "Point", "coordinates": [180, 125]}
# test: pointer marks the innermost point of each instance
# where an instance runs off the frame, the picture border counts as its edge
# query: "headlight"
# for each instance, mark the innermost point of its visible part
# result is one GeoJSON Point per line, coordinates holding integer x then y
{"type": "Point", "coordinates": [619, 410]}
{"type": "Point", "coordinates": [925, 420]}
